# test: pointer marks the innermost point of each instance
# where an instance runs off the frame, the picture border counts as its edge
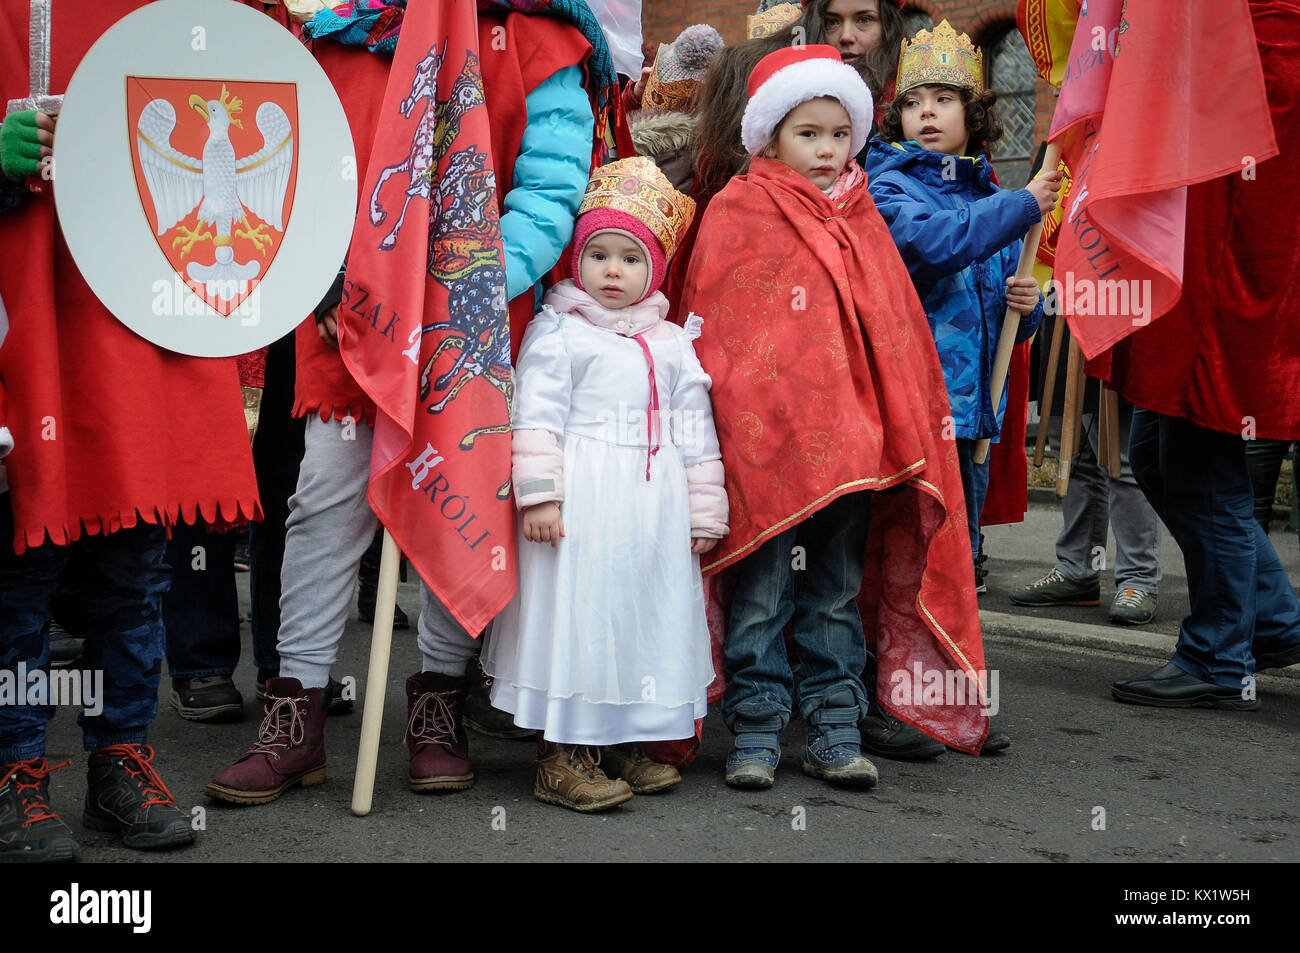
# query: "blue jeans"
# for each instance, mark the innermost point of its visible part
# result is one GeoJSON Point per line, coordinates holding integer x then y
{"type": "Point", "coordinates": [1198, 482]}
{"type": "Point", "coordinates": [974, 486]}
{"type": "Point", "coordinates": [121, 605]}
{"type": "Point", "coordinates": [808, 576]}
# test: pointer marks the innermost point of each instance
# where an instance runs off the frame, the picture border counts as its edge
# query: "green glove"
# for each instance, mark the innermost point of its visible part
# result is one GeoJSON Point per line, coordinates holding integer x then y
{"type": "Point", "coordinates": [20, 145]}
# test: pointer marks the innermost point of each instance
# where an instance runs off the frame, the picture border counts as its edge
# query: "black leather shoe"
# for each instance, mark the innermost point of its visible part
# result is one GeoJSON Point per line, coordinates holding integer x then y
{"type": "Point", "coordinates": [1171, 687]}
{"type": "Point", "coordinates": [995, 741]}
{"type": "Point", "coordinates": [888, 737]}
{"type": "Point", "coordinates": [1277, 659]}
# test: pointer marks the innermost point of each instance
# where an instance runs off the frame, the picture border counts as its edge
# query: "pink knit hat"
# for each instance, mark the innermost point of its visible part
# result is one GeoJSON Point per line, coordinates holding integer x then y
{"type": "Point", "coordinates": [615, 220]}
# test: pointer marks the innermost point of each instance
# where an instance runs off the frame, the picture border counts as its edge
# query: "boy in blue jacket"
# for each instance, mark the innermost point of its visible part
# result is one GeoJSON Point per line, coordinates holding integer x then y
{"type": "Point", "coordinates": [958, 233]}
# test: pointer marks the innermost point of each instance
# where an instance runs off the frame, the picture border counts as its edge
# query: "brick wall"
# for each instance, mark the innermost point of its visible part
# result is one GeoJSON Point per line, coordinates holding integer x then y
{"type": "Point", "coordinates": [984, 20]}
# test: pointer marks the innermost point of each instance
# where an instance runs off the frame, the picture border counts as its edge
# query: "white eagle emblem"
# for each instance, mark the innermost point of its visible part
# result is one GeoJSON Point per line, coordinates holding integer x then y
{"type": "Point", "coordinates": [222, 186]}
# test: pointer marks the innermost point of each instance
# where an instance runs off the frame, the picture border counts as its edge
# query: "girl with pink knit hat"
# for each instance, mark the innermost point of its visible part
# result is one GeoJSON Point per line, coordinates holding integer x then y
{"type": "Point", "coordinates": [618, 477]}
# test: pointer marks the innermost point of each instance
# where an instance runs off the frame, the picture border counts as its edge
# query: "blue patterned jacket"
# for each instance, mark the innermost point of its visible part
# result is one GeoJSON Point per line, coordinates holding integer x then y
{"type": "Point", "coordinates": [960, 236]}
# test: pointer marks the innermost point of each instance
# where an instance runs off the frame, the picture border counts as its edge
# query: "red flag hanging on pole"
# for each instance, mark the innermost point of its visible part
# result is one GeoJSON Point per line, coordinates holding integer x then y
{"type": "Point", "coordinates": [1155, 96]}
{"type": "Point", "coordinates": [423, 325]}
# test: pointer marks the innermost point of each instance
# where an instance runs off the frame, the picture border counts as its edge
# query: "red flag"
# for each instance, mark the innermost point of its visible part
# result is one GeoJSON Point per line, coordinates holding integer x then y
{"type": "Point", "coordinates": [423, 326]}
{"type": "Point", "coordinates": [1156, 96]}
{"type": "Point", "coordinates": [1048, 29]}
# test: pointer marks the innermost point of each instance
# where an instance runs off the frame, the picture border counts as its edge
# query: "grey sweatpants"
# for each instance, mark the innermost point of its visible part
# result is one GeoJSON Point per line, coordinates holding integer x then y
{"type": "Point", "coordinates": [330, 525]}
{"type": "Point", "coordinates": [1094, 500]}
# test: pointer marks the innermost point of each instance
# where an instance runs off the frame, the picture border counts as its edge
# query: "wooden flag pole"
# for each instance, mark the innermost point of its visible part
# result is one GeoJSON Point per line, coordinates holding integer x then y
{"type": "Point", "coordinates": [1011, 320]}
{"type": "Point", "coordinates": [1110, 407]}
{"type": "Point", "coordinates": [381, 643]}
{"type": "Point", "coordinates": [1049, 390]}
{"type": "Point", "coordinates": [1104, 436]}
{"type": "Point", "coordinates": [1069, 418]}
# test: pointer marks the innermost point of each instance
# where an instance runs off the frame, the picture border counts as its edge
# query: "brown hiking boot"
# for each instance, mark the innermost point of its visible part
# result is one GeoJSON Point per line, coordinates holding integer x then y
{"type": "Point", "coordinates": [290, 748]}
{"type": "Point", "coordinates": [435, 735]}
{"type": "Point", "coordinates": [633, 765]}
{"type": "Point", "coordinates": [570, 776]}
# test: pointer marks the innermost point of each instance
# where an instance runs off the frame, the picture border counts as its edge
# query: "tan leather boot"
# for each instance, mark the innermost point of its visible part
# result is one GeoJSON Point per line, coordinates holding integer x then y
{"type": "Point", "coordinates": [570, 776]}
{"type": "Point", "coordinates": [633, 765]}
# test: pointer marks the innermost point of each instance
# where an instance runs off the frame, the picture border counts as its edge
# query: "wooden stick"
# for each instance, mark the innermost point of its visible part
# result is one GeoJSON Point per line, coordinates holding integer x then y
{"type": "Point", "coordinates": [1011, 319]}
{"type": "Point", "coordinates": [381, 643]}
{"type": "Point", "coordinates": [1111, 405]}
{"type": "Point", "coordinates": [1069, 418]}
{"type": "Point", "coordinates": [1049, 390]}
{"type": "Point", "coordinates": [1104, 437]}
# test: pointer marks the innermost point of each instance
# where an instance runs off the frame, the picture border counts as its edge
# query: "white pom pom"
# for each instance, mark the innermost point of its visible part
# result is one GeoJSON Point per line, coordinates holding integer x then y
{"type": "Point", "coordinates": [696, 46]}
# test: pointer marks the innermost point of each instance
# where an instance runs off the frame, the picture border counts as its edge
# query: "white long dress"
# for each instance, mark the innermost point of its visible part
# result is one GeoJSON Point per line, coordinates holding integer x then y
{"type": "Point", "coordinates": [606, 641]}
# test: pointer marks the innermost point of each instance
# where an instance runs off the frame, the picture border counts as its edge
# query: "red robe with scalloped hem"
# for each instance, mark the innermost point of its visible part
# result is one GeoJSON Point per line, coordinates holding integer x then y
{"type": "Point", "coordinates": [109, 430]}
{"type": "Point", "coordinates": [826, 382]}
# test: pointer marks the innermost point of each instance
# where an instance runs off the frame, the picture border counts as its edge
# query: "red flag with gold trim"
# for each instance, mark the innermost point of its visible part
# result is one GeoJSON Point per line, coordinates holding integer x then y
{"type": "Point", "coordinates": [423, 325]}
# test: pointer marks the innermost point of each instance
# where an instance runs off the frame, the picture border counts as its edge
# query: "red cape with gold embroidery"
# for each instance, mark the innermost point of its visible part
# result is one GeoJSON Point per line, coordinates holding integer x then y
{"type": "Point", "coordinates": [826, 382]}
{"type": "Point", "coordinates": [109, 430]}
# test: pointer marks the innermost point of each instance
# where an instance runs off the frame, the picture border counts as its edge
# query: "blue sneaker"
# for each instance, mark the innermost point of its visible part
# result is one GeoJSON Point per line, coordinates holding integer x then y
{"type": "Point", "coordinates": [754, 754]}
{"type": "Point", "coordinates": [834, 749]}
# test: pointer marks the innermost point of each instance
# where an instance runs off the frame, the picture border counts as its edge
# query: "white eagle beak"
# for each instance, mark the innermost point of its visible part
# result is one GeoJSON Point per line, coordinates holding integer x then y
{"type": "Point", "coordinates": [200, 106]}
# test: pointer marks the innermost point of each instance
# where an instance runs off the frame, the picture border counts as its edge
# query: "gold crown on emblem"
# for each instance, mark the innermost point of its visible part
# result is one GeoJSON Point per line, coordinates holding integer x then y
{"type": "Point", "coordinates": [941, 56]}
{"type": "Point", "coordinates": [637, 187]}
{"type": "Point", "coordinates": [772, 20]}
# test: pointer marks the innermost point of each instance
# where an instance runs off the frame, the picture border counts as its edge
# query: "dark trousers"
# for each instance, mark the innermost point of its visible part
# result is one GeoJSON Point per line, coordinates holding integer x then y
{"type": "Point", "coordinates": [1198, 483]}
{"type": "Point", "coordinates": [122, 579]}
{"type": "Point", "coordinates": [202, 612]}
{"type": "Point", "coordinates": [975, 487]}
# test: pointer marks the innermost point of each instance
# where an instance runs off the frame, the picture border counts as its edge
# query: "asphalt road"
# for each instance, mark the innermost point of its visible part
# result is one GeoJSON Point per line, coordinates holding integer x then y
{"type": "Point", "coordinates": [1174, 785]}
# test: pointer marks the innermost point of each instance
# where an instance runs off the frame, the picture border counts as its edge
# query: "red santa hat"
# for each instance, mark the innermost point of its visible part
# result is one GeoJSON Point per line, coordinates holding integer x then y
{"type": "Point", "coordinates": [793, 75]}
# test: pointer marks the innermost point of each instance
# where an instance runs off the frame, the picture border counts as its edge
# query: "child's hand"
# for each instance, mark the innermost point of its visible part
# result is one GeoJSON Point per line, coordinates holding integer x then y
{"type": "Point", "coordinates": [328, 329]}
{"type": "Point", "coordinates": [1044, 189]}
{"type": "Point", "coordinates": [542, 524]}
{"type": "Point", "coordinates": [702, 544]}
{"type": "Point", "coordinates": [638, 88]}
{"type": "Point", "coordinates": [1022, 294]}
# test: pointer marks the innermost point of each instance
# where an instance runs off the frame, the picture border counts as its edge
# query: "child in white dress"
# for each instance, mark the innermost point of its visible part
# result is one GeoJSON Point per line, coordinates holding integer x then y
{"type": "Point", "coordinates": [618, 475]}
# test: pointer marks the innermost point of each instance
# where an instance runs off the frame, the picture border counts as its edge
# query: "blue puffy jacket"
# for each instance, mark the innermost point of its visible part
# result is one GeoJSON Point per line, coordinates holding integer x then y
{"type": "Point", "coordinates": [550, 177]}
{"type": "Point", "coordinates": [960, 236]}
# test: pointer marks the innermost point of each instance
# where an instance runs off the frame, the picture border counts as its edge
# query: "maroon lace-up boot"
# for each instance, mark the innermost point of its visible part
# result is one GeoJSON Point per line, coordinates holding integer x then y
{"type": "Point", "coordinates": [435, 733]}
{"type": "Point", "coordinates": [290, 748]}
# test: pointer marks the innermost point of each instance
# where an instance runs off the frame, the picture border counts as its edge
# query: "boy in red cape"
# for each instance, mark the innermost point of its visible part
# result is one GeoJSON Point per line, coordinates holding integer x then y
{"type": "Point", "coordinates": [826, 386]}
{"type": "Point", "coordinates": [115, 440]}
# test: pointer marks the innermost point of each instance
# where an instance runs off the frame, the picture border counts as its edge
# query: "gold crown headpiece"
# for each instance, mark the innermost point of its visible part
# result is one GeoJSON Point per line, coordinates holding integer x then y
{"type": "Point", "coordinates": [941, 56]}
{"type": "Point", "coordinates": [772, 20]}
{"type": "Point", "coordinates": [636, 187]}
{"type": "Point", "coordinates": [680, 68]}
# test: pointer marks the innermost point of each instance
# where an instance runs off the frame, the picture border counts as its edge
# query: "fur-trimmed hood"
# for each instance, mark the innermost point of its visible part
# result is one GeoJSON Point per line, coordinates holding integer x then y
{"type": "Point", "coordinates": [655, 134]}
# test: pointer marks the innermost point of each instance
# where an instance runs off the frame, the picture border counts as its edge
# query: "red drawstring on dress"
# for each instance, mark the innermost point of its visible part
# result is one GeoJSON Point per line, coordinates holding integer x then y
{"type": "Point", "coordinates": [652, 409]}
